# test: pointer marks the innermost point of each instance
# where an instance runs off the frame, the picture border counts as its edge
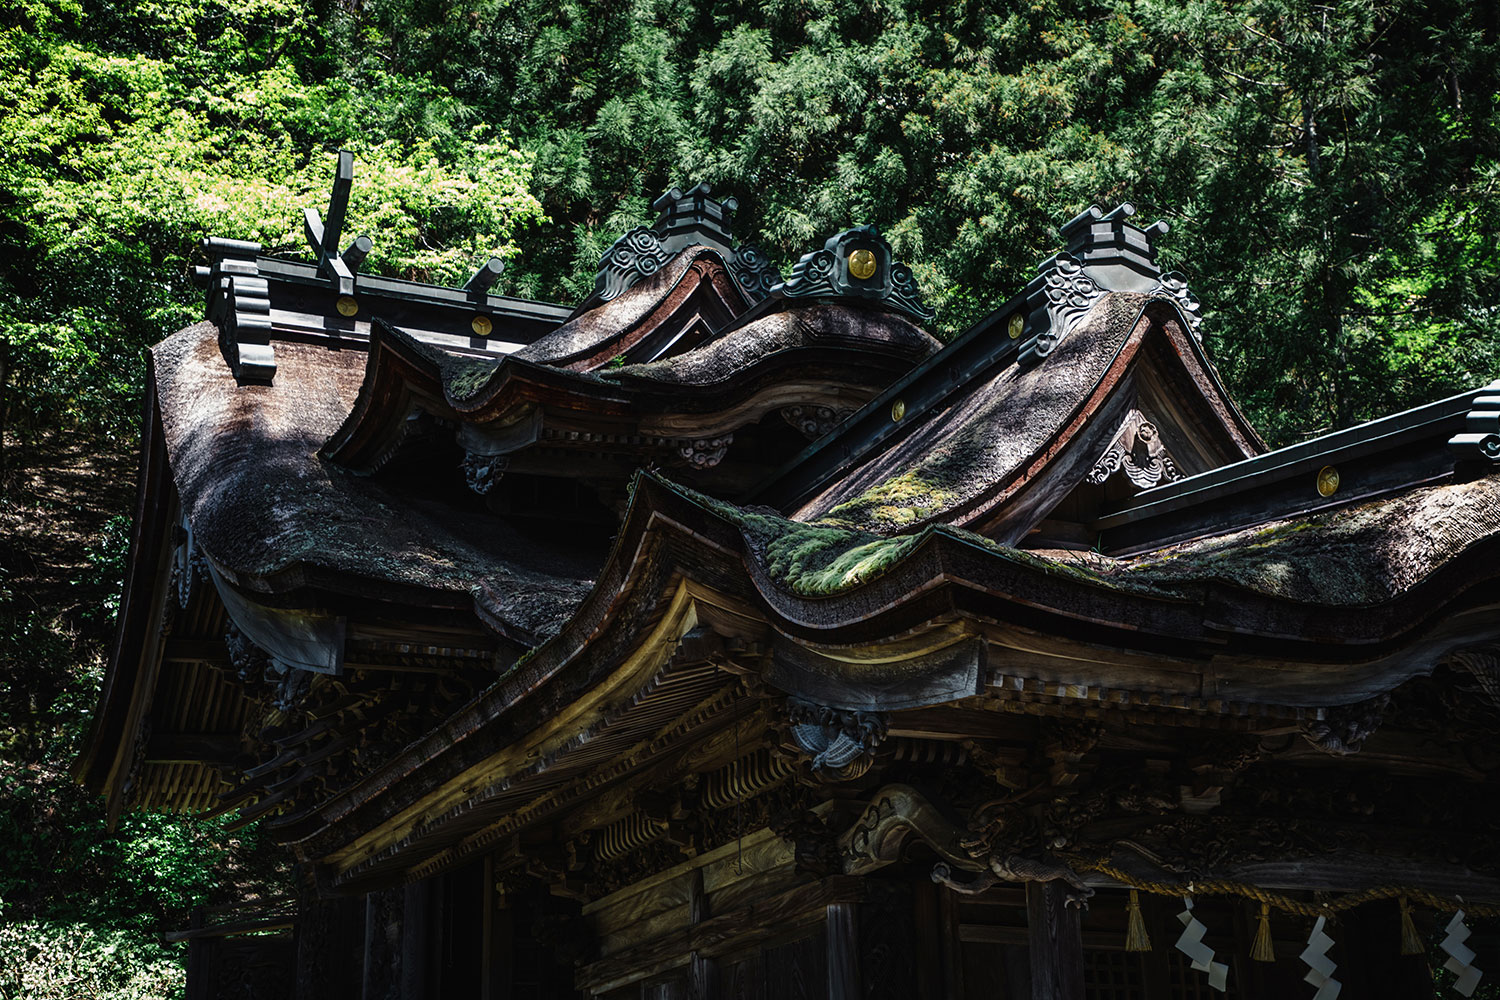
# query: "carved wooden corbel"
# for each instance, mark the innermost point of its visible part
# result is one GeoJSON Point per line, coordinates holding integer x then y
{"type": "Point", "coordinates": [814, 421]}
{"type": "Point", "coordinates": [1483, 663]}
{"type": "Point", "coordinates": [896, 813]}
{"type": "Point", "coordinates": [835, 744]}
{"type": "Point", "coordinates": [705, 453]}
{"type": "Point", "coordinates": [482, 472]}
{"type": "Point", "coordinates": [899, 812]}
{"type": "Point", "coordinates": [1344, 728]}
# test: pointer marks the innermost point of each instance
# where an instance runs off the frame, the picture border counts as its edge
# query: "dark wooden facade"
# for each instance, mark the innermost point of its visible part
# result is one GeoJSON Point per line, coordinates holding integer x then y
{"type": "Point", "coordinates": [729, 637]}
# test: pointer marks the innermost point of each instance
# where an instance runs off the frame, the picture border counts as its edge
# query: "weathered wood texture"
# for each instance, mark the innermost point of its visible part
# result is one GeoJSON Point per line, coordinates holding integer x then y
{"type": "Point", "coordinates": [383, 923]}
{"type": "Point", "coordinates": [796, 970]}
{"type": "Point", "coordinates": [888, 944]}
{"type": "Point", "coordinates": [728, 934]}
{"type": "Point", "coordinates": [843, 951]}
{"type": "Point", "coordinates": [1056, 942]}
{"type": "Point", "coordinates": [330, 940]}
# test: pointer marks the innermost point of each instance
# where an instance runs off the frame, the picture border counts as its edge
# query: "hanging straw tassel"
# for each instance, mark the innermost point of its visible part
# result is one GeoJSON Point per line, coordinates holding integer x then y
{"type": "Point", "coordinates": [1411, 942]}
{"type": "Point", "coordinates": [1136, 938]}
{"type": "Point", "coordinates": [1262, 950]}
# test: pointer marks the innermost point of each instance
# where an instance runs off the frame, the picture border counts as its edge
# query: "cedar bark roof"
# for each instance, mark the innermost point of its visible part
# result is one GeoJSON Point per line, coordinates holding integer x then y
{"type": "Point", "coordinates": [890, 623]}
{"type": "Point", "coordinates": [978, 449]}
{"type": "Point", "coordinates": [270, 513]}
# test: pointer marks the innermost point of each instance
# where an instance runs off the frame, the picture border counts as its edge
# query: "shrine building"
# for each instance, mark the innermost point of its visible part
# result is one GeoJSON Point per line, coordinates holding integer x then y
{"type": "Point", "coordinates": [727, 636]}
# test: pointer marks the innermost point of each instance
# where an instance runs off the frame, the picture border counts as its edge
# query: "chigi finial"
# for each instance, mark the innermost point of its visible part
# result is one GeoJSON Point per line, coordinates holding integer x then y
{"type": "Point", "coordinates": [857, 264]}
{"type": "Point", "coordinates": [1106, 252]}
{"type": "Point", "coordinates": [685, 219]}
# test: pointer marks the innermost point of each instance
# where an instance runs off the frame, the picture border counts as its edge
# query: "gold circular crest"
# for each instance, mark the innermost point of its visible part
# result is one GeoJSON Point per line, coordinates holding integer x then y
{"type": "Point", "coordinates": [862, 264]}
{"type": "Point", "coordinates": [346, 305]}
{"type": "Point", "coordinates": [898, 410]}
{"type": "Point", "coordinates": [481, 325]}
{"type": "Point", "coordinates": [1328, 481]}
{"type": "Point", "coordinates": [1016, 325]}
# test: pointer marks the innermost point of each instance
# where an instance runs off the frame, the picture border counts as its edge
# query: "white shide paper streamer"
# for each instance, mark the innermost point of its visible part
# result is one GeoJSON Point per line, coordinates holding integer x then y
{"type": "Point", "coordinates": [1460, 956]}
{"type": "Point", "coordinates": [1202, 956]}
{"type": "Point", "coordinates": [1320, 966]}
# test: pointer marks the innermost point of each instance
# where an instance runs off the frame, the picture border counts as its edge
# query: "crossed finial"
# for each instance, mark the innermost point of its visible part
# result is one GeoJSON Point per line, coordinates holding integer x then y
{"type": "Point", "coordinates": [339, 267]}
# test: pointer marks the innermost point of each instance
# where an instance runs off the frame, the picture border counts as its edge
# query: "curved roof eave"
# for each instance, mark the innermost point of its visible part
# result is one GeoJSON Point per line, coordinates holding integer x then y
{"type": "Point", "coordinates": [946, 575]}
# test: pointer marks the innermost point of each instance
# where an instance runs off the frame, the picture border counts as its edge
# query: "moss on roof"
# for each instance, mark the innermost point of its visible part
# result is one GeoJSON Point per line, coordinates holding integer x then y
{"type": "Point", "coordinates": [464, 377]}
{"type": "Point", "coordinates": [958, 450]}
{"type": "Point", "coordinates": [1351, 556]}
{"type": "Point", "coordinates": [824, 558]}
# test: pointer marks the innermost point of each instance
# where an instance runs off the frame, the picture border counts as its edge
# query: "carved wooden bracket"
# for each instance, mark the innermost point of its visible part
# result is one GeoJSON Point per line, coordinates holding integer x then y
{"type": "Point", "coordinates": [482, 472]}
{"type": "Point", "coordinates": [1344, 728]}
{"type": "Point", "coordinates": [837, 745]}
{"type": "Point", "coordinates": [705, 453]}
{"type": "Point", "coordinates": [814, 421]}
{"type": "Point", "coordinates": [899, 812]}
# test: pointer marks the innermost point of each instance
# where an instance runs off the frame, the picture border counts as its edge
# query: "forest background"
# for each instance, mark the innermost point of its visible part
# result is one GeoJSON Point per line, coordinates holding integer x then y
{"type": "Point", "coordinates": [1330, 172]}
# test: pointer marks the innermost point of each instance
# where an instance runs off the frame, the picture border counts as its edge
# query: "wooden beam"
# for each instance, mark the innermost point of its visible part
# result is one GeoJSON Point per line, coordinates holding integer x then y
{"type": "Point", "coordinates": [1056, 942]}
{"type": "Point", "coordinates": [231, 929]}
{"type": "Point", "coordinates": [180, 650]}
{"type": "Point", "coordinates": [805, 905]}
{"type": "Point", "coordinates": [192, 748]}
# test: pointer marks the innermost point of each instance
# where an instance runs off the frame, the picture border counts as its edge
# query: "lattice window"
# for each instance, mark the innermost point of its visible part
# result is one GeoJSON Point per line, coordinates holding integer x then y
{"type": "Point", "coordinates": [1186, 983]}
{"type": "Point", "coordinates": [1112, 975]}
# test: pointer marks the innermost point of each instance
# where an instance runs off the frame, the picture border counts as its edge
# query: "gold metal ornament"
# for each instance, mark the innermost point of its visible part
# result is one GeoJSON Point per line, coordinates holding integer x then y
{"type": "Point", "coordinates": [1015, 326]}
{"type": "Point", "coordinates": [862, 264]}
{"type": "Point", "coordinates": [1328, 481]}
{"type": "Point", "coordinates": [898, 410]}
{"type": "Point", "coordinates": [346, 305]}
{"type": "Point", "coordinates": [481, 325]}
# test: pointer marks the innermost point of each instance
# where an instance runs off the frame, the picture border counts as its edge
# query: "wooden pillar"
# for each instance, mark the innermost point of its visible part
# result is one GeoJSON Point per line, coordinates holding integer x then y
{"type": "Point", "coordinates": [199, 966]}
{"type": "Point", "coordinates": [843, 952]}
{"type": "Point", "coordinates": [329, 939]}
{"type": "Point", "coordinates": [382, 965]}
{"type": "Point", "coordinates": [1056, 942]}
{"type": "Point", "coordinates": [416, 929]}
{"type": "Point", "coordinates": [495, 974]}
{"type": "Point", "coordinates": [950, 953]}
{"type": "Point", "coordinates": [703, 972]}
{"type": "Point", "coordinates": [928, 952]}
{"type": "Point", "coordinates": [1369, 954]}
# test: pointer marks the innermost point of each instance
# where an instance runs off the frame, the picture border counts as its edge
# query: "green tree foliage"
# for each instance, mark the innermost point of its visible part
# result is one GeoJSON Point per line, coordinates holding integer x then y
{"type": "Point", "coordinates": [1331, 173]}
{"type": "Point", "coordinates": [133, 130]}
{"type": "Point", "coordinates": [1330, 170]}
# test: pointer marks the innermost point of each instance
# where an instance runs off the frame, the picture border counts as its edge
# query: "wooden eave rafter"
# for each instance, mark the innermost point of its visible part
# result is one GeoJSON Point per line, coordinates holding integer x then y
{"type": "Point", "coordinates": [675, 565]}
{"type": "Point", "coordinates": [124, 700]}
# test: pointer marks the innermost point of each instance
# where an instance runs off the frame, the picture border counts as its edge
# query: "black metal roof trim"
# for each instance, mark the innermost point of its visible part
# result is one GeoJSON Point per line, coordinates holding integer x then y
{"type": "Point", "coordinates": [1439, 421]}
{"type": "Point", "coordinates": [972, 354]}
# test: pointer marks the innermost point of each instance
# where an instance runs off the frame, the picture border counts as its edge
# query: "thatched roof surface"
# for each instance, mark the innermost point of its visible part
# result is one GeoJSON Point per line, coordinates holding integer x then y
{"type": "Point", "coordinates": [1351, 556]}
{"type": "Point", "coordinates": [586, 332]}
{"type": "Point", "coordinates": [1363, 555]}
{"type": "Point", "coordinates": [981, 437]}
{"type": "Point", "coordinates": [262, 503]}
{"type": "Point", "coordinates": [815, 325]}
